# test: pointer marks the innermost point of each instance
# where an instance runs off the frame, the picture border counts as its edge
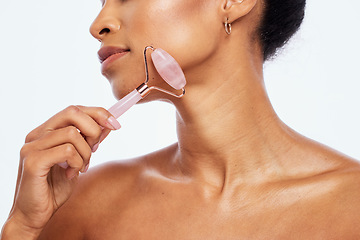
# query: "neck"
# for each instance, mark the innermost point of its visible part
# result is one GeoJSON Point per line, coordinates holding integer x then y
{"type": "Point", "coordinates": [227, 129]}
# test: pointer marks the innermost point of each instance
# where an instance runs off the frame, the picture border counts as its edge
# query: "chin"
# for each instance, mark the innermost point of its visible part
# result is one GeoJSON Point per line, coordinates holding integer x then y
{"type": "Point", "coordinates": [122, 85]}
{"type": "Point", "coordinates": [120, 92]}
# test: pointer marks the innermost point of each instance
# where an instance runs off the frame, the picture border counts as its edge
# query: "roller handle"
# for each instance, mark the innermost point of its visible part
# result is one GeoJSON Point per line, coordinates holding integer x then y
{"type": "Point", "coordinates": [118, 109]}
{"type": "Point", "coordinates": [125, 103]}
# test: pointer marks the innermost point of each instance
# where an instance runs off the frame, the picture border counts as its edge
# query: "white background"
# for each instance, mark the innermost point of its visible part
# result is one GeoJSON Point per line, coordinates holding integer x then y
{"type": "Point", "coordinates": [48, 61]}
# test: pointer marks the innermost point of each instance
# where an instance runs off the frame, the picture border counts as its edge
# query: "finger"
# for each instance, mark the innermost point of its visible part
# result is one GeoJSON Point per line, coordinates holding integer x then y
{"type": "Point", "coordinates": [71, 116]}
{"type": "Point", "coordinates": [89, 120]}
{"type": "Point", "coordinates": [102, 117]}
{"type": "Point", "coordinates": [61, 136]}
{"type": "Point", "coordinates": [82, 121]}
{"type": "Point", "coordinates": [98, 114]}
{"type": "Point", "coordinates": [39, 163]}
{"type": "Point", "coordinates": [103, 135]}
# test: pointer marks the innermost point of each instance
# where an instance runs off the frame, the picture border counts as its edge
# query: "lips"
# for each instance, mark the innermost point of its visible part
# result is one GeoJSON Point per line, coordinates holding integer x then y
{"type": "Point", "coordinates": [106, 52]}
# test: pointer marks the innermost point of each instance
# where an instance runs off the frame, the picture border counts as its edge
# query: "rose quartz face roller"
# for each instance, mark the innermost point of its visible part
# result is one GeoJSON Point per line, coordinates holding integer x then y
{"type": "Point", "coordinates": [168, 69]}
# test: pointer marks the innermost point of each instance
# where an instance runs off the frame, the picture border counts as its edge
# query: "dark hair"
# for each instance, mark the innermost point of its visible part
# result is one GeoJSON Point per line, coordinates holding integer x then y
{"type": "Point", "coordinates": [280, 20]}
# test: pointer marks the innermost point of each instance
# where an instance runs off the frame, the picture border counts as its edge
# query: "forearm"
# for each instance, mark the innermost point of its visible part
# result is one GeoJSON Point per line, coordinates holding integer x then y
{"type": "Point", "coordinates": [13, 230]}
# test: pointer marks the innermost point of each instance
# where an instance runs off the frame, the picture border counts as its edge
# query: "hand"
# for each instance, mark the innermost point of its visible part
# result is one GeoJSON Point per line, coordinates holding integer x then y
{"type": "Point", "coordinates": [66, 139]}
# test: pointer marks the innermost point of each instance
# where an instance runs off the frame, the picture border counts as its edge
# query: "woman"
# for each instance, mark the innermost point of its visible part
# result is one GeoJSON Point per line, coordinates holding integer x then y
{"type": "Point", "coordinates": [237, 171]}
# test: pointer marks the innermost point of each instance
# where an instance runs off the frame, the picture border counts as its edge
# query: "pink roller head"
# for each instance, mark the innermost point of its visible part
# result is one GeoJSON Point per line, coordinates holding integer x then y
{"type": "Point", "coordinates": [168, 68]}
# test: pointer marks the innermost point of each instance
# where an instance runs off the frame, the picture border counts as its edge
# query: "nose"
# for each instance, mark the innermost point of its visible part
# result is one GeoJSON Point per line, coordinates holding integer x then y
{"type": "Point", "coordinates": [105, 24]}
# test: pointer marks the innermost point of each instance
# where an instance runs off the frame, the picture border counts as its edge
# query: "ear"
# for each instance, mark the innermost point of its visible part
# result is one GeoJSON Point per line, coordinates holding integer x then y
{"type": "Point", "coordinates": [235, 9]}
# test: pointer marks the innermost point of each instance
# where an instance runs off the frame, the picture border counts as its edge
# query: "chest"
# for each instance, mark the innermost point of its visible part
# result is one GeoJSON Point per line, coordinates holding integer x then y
{"type": "Point", "coordinates": [166, 218]}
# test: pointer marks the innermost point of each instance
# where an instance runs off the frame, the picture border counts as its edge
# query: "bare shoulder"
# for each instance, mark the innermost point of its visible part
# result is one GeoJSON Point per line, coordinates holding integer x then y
{"type": "Point", "coordinates": [103, 190]}
{"type": "Point", "coordinates": [347, 188]}
{"type": "Point", "coordinates": [337, 192]}
{"type": "Point", "coordinates": [346, 180]}
{"type": "Point", "coordinates": [344, 200]}
{"type": "Point", "coordinates": [342, 172]}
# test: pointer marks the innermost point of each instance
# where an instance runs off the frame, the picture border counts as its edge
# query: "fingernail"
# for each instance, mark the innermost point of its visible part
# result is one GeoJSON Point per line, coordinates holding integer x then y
{"type": "Point", "coordinates": [86, 167]}
{"type": "Point", "coordinates": [113, 123]}
{"type": "Point", "coordinates": [95, 147]}
{"type": "Point", "coordinates": [63, 165]}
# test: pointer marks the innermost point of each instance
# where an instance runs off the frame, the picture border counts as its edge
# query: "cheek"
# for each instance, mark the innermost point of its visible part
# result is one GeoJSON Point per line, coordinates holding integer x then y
{"type": "Point", "coordinates": [184, 28]}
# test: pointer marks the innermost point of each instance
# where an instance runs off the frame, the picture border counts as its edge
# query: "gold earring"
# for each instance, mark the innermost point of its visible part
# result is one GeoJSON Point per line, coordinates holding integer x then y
{"type": "Point", "coordinates": [227, 26]}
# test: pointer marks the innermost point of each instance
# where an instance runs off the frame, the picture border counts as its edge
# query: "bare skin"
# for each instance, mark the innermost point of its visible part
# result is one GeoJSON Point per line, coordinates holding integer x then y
{"type": "Point", "coordinates": [237, 171]}
{"type": "Point", "coordinates": [146, 199]}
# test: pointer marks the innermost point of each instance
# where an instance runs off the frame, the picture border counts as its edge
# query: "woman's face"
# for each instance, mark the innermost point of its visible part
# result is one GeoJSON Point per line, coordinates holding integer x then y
{"type": "Point", "coordinates": [188, 29]}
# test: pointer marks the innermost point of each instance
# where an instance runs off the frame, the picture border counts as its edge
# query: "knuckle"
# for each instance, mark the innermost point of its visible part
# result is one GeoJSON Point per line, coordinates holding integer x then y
{"type": "Point", "coordinates": [28, 150]}
{"type": "Point", "coordinates": [103, 112]}
{"type": "Point", "coordinates": [29, 162]}
{"type": "Point", "coordinates": [72, 109]}
{"type": "Point", "coordinates": [69, 151]}
{"type": "Point", "coordinates": [79, 106]}
{"type": "Point", "coordinates": [30, 137]}
{"type": "Point", "coordinates": [94, 135]}
{"type": "Point", "coordinates": [24, 150]}
{"type": "Point", "coordinates": [72, 132]}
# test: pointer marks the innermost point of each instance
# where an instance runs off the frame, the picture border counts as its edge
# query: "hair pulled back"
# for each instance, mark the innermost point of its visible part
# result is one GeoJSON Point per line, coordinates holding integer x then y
{"type": "Point", "coordinates": [280, 21]}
